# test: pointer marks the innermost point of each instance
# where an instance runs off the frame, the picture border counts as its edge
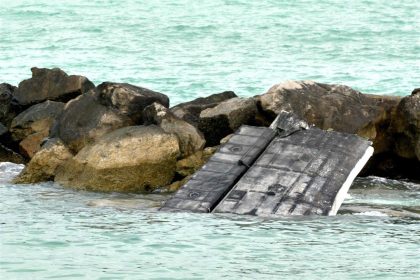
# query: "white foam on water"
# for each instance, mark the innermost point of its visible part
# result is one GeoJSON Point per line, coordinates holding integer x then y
{"type": "Point", "coordinates": [9, 170]}
{"type": "Point", "coordinates": [372, 213]}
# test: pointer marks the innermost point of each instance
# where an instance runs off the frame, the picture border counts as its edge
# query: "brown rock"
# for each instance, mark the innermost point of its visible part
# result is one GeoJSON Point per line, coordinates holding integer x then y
{"type": "Point", "coordinates": [50, 84]}
{"type": "Point", "coordinates": [44, 164]}
{"type": "Point", "coordinates": [108, 107]}
{"type": "Point", "coordinates": [335, 107]}
{"type": "Point", "coordinates": [129, 159]}
{"type": "Point", "coordinates": [177, 184]}
{"type": "Point", "coordinates": [9, 108]}
{"type": "Point", "coordinates": [191, 164]}
{"type": "Point", "coordinates": [30, 127]}
{"type": "Point", "coordinates": [225, 118]}
{"type": "Point", "coordinates": [190, 111]}
{"type": "Point", "coordinates": [190, 138]}
{"type": "Point", "coordinates": [7, 155]}
{"type": "Point", "coordinates": [129, 100]}
{"type": "Point", "coordinates": [86, 119]}
{"type": "Point", "coordinates": [32, 144]}
{"type": "Point", "coordinates": [406, 127]}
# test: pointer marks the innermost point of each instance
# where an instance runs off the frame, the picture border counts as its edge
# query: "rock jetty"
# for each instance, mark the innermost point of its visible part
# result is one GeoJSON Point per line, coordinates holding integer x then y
{"type": "Point", "coordinates": [118, 137]}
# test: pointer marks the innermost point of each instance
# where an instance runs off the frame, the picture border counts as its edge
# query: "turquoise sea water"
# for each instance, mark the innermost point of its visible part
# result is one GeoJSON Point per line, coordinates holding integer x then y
{"type": "Point", "coordinates": [49, 232]}
{"type": "Point", "coordinates": [187, 49]}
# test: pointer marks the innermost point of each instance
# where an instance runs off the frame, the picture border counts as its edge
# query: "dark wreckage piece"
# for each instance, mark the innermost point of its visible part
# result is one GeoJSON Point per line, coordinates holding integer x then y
{"type": "Point", "coordinates": [287, 169]}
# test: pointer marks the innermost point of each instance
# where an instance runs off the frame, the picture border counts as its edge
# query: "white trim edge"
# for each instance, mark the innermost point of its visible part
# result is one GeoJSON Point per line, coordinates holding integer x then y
{"type": "Point", "coordinates": [347, 184]}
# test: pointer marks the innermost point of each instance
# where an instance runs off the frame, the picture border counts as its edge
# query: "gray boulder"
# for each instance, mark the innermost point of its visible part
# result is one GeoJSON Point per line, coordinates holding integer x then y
{"type": "Point", "coordinates": [225, 118]}
{"type": "Point", "coordinates": [129, 100]}
{"type": "Point", "coordinates": [190, 111]}
{"type": "Point", "coordinates": [50, 84]}
{"type": "Point", "coordinates": [190, 138]}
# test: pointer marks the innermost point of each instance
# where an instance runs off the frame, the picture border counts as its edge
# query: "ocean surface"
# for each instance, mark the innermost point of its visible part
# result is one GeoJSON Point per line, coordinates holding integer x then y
{"type": "Point", "coordinates": [188, 49]}
{"type": "Point", "coordinates": [49, 232]}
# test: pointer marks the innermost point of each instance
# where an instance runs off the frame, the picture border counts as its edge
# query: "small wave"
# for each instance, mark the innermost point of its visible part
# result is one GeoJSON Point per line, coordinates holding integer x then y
{"type": "Point", "coordinates": [372, 213]}
{"type": "Point", "coordinates": [9, 170]}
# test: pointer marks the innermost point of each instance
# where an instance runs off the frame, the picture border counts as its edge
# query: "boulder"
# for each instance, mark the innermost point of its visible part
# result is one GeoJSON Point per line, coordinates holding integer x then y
{"type": "Point", "coordinates": [335, 107]}
{"type": "Point", "coordinates": [30, 127]}
{"type": "Point", "coordinates": [190, 111]}
{"type": "Point", "coordinates": [9, 107]}
{"type": "Point", "coordinates": [129, 159]}
{"type": "Point", "coordinates": [108, 107]}
{"type": "Point", "coordinates": [190, 138]}
{"type": "Point", "coordinates": [86, 119]}
{"type": "Point", "coordinates": [129, 100]}
{"type": "Point", "coordinates": [44, 164]}
{"type": "Point", "coordinates": [225, 118]}
{"type": "Point", "coordinates": [406, 127]}
{"type": "Point", "coordinates": [51, 84]}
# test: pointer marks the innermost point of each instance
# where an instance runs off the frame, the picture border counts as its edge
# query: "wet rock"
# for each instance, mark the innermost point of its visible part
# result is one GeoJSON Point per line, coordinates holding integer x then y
{"type": "Point", "coordinates": [3, 130]}
{"type": "Point", "coordinates": [191, 164]}
{"type": "Point", "coordinates": [177, 184]}
{"type": "Point", "coordinates": [129, 100]}
{"type": "Point", "coordinates": [130, 159]}
{"type": "Point", "coordinates": [86, 119]}
{"type": "Point", "coordinates": [44, 164]}
{"type": "Point", "coordinates": [51, 84]}
{"type": "Point", "coordinates": [225, 118]}
{"type": "Point", "coordinates": [190, 138]}
{"type": "Point", "coordinates": [31, 126]}
{"type": "Point", "coordinates": [335, 107]}
{"type": "Point", "coordinates": [7, 155]}
{"type": "Point", "coordinates": [226, 139]}
{"type": "Point", "coordinates": [190, 111]}
{"type": "Point", "coordinates": [108, 107]}
{"type": "Point", "coordinates": [406, 127]}
{"type": "Point", "coordinates": [9, 107]}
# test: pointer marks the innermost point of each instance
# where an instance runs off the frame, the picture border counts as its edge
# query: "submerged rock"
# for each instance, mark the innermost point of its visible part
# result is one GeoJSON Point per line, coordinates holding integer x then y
{"type": "Point", "coordinates": [44, 164]}
{"type": "Point", "coordinates": [190, 111]}
{"type": "Point", "coordinates": [190, 138]}
{"type": "Point", "coordinates": [30, 127]}
{"type": "Point", "coordinates": [51, 84]}
{"type": "Point", "coordinates": [225, 118]}
{"type": "Point", "coordinates": [130, 159]}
